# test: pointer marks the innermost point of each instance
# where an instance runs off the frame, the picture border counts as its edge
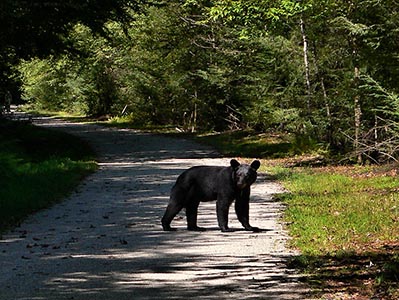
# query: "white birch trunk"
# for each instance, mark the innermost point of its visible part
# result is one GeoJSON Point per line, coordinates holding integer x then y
{"type": "Point", "coordinates": [306, 61]}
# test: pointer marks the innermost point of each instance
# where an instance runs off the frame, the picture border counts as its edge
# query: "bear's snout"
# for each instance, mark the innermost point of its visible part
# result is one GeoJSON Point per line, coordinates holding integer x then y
{"type": "Point", "coordinates": [242, 186]}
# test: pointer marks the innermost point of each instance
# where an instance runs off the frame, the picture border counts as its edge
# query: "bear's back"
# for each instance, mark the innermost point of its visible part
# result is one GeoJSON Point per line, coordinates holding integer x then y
{"type": "Point", "coordinates": [204, 177]}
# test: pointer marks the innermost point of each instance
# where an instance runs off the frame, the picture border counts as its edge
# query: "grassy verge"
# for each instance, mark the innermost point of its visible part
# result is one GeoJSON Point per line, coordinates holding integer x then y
{"type": "Point", "coordinates": [37, 168]}
{"type": "Point", "coordinates": [345, 222]}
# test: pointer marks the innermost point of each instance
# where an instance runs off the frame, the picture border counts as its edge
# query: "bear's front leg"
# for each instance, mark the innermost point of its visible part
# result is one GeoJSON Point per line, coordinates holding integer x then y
{"type": "Point", "coordinates": [242, 210]}
{"type": "Point", "coordinates": [192, 213]}
{"type": "Point", "coordinates": [222, 211]}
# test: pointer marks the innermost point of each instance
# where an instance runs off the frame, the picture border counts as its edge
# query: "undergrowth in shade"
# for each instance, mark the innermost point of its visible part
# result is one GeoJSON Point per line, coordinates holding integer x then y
{"type": "Point", "coordinates": [38, 167]}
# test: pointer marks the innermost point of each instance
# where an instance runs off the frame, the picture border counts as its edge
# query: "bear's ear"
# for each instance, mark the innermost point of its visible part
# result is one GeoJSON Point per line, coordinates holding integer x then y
{"type": "Point", "coordinates": [234, 164]}
{"type": "Point", "coordinates": [255, 164]}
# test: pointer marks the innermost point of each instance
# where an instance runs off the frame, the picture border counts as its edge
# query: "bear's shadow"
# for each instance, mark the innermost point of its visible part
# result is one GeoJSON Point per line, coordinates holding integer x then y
{"type": "Point", "coordinates": [233, 229]}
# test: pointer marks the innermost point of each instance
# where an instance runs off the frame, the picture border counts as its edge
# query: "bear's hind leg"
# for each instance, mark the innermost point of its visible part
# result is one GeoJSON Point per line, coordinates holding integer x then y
{"type": "Point", "coordinates": [176, 203]}
{"type": "Point", "coordinates": [171, 211]}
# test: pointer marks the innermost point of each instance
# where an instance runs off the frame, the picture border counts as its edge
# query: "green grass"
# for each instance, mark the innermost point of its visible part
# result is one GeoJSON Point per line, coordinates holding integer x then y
{"type": "Point", "coordinates": [330, 212]}
{"type": "Point", "coordinates": [249, 144]}
{"type": "Point", "coordinates": [38, 167]}
{"type": "Point", "coordinates": [345, 223]}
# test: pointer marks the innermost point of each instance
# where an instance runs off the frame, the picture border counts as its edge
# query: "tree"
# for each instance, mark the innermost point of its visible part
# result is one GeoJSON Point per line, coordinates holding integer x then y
{"type": "Point", "coordinates": [39, 28]}
{"type": "Point", "coordinates": [295, 66]}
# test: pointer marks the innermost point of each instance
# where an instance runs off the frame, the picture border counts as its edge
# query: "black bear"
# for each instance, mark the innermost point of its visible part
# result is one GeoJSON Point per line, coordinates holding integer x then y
{"type": "Point", "coordinates": [207, 183]}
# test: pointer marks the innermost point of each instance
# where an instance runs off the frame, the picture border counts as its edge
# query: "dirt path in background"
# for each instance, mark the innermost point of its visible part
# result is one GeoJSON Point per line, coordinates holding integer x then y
{"type": "Point", "coordinates": [105, 241]}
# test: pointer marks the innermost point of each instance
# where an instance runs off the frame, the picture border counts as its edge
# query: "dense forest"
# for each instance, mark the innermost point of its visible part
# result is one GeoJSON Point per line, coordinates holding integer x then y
{"type": "Point", "coordinates": [325, 71]}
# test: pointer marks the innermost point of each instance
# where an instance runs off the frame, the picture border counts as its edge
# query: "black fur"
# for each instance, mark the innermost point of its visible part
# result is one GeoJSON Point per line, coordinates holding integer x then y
{"type": "Point", "coordinates": [207, 183]}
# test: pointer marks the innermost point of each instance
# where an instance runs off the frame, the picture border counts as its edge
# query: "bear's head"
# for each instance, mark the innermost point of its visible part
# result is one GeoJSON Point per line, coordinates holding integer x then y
{"type": "Point", "coordinates": [244, 175]}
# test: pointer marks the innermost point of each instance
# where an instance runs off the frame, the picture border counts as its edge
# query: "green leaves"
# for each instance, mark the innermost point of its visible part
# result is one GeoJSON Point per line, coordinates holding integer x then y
{"type": "Point", "coordinates": [253, 12]}
{"type": "Point", "coordinates": [209, 63]}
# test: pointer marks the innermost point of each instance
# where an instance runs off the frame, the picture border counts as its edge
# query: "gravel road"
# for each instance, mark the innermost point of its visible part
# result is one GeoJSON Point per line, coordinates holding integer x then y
{"type": "Point", "coordinates": [105, 240]}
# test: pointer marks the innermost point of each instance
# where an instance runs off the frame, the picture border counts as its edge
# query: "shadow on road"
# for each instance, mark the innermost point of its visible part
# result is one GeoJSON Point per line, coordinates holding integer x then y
{"type": "Point", "coordinates": [105, 241]}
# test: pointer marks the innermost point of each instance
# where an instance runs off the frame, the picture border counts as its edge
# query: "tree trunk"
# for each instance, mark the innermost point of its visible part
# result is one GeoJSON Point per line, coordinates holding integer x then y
{"type": "Point", "coordinates": [358, 117]}
{"type": "Point", "coordinates": [325, 97]}
{"type": "Point", "coordinates": [194, 119]}
{"type": "Point", "coordinates": [306, 61]}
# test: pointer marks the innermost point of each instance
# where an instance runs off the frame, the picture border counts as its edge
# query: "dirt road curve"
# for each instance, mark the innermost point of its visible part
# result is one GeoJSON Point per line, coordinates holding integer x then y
{"type": "Point", "coordinates": [105, 241]}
